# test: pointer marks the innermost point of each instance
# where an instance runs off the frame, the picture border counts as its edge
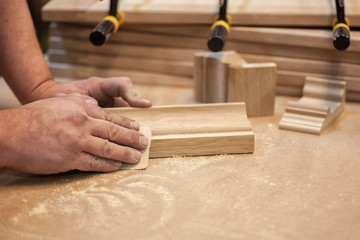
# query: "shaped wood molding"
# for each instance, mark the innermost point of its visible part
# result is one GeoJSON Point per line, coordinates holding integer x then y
{"type": "Point", "coordinates": [226, 77]}
{"type": "Point", "coordinates": [322, 102]}
{"type": "Point", "coordinates": [198, 129]}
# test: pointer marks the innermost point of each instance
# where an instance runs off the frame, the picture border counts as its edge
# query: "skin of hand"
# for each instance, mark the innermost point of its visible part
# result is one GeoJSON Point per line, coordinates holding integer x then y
{"type": "Point", "coordinates": [109, 92]}
{"type": "Point", "coordinates": [65, 133]}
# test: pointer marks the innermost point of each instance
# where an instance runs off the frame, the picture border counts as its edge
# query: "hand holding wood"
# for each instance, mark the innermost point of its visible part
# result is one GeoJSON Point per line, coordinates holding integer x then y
{"type": "Point", "coordinates": [65, 133]}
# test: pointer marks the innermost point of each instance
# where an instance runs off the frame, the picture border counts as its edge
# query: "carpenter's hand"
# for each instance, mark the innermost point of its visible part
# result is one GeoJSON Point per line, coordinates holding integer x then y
{"type": "Point", "coordinates": [109, 92]}
{"type": "Point", "coordinates": [64, 133]}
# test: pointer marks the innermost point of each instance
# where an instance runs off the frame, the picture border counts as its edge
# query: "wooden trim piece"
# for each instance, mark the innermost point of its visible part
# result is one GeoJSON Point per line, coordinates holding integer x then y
{"type": "Point", "coordinates": [199, 129]}
{"type": "Point", "coordinates": [322, 102]}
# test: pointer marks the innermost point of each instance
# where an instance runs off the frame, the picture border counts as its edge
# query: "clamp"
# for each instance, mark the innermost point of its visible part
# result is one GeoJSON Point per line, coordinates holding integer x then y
{"type": "Point", "coordinates": [220, 28]}
{"type": "Point", "coordinates": [341, 29]}
{"type": "Point", "coordinates": [108, 25]}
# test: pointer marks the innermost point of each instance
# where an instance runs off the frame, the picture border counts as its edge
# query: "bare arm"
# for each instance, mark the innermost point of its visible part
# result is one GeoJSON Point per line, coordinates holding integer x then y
{"type": "Point", "coordinates": [21, 63]}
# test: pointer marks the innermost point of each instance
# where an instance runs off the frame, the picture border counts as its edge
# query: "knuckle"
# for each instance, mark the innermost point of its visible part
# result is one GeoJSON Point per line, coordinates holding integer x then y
{"type": "Point", "coordinates": [94, 79]}
{"type": "Point", "coordinates": [112, 132]}
{"type": "Point", "coordinates": [105, 149]}
{"type": "Point", "coordinates": [126, 80]}
{"type": "Point", "coordinates": [78, 117]}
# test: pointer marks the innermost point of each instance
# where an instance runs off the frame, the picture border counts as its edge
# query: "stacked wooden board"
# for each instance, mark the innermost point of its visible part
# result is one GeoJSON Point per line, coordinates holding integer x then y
{"type": "Point", "coordinates": [157, 43]}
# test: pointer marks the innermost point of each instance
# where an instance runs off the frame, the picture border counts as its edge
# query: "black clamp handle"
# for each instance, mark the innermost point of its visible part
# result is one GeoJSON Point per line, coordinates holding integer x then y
{"type": "Point", "coordinates": [109, 25]}
{"type": "Point", "coordinates": [341, 29]}
{"type": "Point", "coordinates": [219, 29]}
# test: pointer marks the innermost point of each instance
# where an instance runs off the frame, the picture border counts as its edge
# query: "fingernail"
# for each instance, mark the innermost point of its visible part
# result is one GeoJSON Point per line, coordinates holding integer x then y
{"type": "Point", "coordinates": [136, 155]}
{"type": "Point", "coordinates": [143, 140]}
{"type": "Point", "coordinates": [135, 125]}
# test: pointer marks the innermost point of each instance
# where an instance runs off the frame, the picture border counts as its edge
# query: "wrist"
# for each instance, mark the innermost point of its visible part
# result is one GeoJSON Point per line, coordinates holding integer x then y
{"type": "Point", "coordinates": [5, 117]}
{"type": "Point", "coordinates": [42, 90]}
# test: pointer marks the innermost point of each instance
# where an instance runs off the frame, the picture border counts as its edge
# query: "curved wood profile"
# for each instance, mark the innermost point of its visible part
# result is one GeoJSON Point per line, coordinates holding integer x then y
{"type": "Point", "coordinates": [322, 102]}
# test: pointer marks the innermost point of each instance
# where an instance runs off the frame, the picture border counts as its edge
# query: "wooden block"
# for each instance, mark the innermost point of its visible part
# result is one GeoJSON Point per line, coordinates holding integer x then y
{"type": "Point", "coordinates": [198, 78]}
{"type": "Point", "coordinates": [214, 68]}
{"type": "Point", "coordinates": [322, 102]}
{"type": "Point", "coordinates": [144, 161]}
{"type": "Point", "coordinates": [255, 85]}
{"type": "Point", "coordinates": [226, 77]}
{"type": "Point", "coordinates": [199, 129]}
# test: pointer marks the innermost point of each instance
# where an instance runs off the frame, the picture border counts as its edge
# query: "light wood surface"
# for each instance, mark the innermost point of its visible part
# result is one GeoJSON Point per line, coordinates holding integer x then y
{"type": "Point", "coordinates": [177, 68]}
{"type": "Point", "coordinates": [255, 12]}
{"type": "Point", "coordinates": [200, 129]}
{"type": "Point", "coordinates": [322, 102]}
{"type": "Point", "coordinates": [263, 47]}
{"type": "Point", "coordinates": [294, 61]}
{"type": "Point", "coordinates": [294, 186]}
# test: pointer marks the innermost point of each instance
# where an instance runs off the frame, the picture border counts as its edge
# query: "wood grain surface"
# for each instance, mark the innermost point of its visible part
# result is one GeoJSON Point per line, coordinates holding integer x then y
{"type": "Point", "coordinates": [294, 186]}
{"type": "Point", "coordinates": [196, 129]}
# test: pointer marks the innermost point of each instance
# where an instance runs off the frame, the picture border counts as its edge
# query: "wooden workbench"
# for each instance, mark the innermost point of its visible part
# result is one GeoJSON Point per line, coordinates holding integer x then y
{"type": "Point", "coordinates": [295, 186]}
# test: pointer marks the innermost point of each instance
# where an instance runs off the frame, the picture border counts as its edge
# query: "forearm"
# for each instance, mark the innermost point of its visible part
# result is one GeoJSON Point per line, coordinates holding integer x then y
{"type": "Point", "coordinates": [21, 61]}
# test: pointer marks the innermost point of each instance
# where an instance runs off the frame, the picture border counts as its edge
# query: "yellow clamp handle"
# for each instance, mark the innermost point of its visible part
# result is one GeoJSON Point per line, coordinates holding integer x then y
{"type": "Point", "coordinates": [222, 23]}
{"type": "Point", "coordinates": [228, 18]}
{"type": "Point", "coordinates": [338, 25]}
{"type": "Point", "coordinates": [116, 22]}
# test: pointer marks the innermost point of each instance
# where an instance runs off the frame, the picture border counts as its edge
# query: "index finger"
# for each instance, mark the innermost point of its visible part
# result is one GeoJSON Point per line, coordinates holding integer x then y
{"type": "Point", "coordinates": [99, 113]}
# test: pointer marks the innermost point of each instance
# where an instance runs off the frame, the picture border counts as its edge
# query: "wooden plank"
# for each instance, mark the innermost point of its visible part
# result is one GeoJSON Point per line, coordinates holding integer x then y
{"type": "Point", "coordinates": [199, 129]}
{"type": "Point", "coordinates": [308, 65]}
{"type": "Point", "coordinates": [281, 50]}
{"type": "Point", "coordinates": [255, 12]}
{"type": "Point", "coordinates": [127, 50]}
{"type": "Point", "coordinates": [315, 38]}
{"type": "Point", "coordinates": [131, 37]}
{"type": "Point", "coordinates": [297, 79]}
{"type": "Point", "coordinates": [185, 42]}
{"type": "Point", "coordinates": [288, 83]}
{"type": "Point", "coordinates": [74, 71]}
{"type": "Point", "coordinates": [139, 64]}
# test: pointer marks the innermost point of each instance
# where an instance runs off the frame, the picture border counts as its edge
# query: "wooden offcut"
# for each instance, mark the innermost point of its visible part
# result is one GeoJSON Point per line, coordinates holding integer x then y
{"type": "Point", "coordinates": [322, 102]}
{"type": "Point", "coordinates": [226, 77]}
{"type": "Point", "coordinates": [198, 129]}
{"type": "Point", "coordinates": [144, 160]}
